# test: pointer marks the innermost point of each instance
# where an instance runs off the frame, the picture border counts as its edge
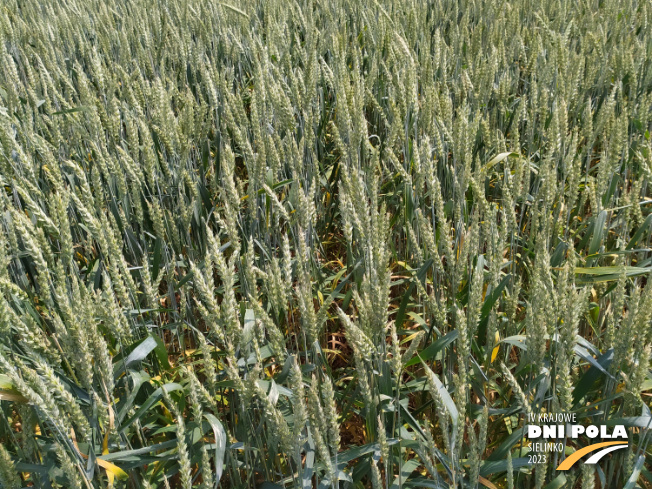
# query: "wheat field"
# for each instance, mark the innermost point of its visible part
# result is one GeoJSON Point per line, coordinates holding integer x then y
{"type": "Point", "coordinates": [323, 244]}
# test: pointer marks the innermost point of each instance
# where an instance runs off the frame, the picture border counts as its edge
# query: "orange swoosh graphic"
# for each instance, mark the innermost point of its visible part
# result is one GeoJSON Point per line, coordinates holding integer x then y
{"type": "Point", "coordinates": [570, 461]}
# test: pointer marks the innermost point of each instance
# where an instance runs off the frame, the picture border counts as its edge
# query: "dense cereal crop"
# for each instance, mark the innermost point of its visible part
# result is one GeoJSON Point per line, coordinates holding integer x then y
{"type": "Point", "coordinates": [323, 244]}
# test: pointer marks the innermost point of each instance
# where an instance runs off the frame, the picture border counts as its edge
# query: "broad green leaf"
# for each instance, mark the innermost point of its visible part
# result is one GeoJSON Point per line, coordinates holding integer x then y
{"type": "Point", "coordinates": [605, 274]}
{"type": "Point", "coordinates": [406, 470]}
{"type": "Point", "coordinates": [151, 400]}
{"type": "Point", "coordinates": [357, 452]}
{"type": "Point", "coordinates": [633, 478]}
{"type": "Point", "coordinates": [644, 422]}
{"type": "Point", "coordinates": [598, 231]}
{"type": "Point", "coordinates": [71, 111]}
{"type": "Point", "coordinates": [497, 466]}
{"type": "Point", "coordinates": [443, 393]}
{"type": "Point", "coordinates": [497, 159]}
{"type": "Point", "coordinates": [558, 482]}
{"type": "Point", "coordinates": [432, 350]}
{"type": "Point", "coordinates": [220, 444]}
{"type": "Point", "coordinates": [640, 231]}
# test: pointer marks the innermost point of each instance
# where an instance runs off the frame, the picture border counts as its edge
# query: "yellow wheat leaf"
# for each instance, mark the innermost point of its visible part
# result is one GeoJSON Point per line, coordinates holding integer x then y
{"type": "Point", "coordinates": [112, 470]}
{"type": "Point", "coordinates": [494, 353]}
{"type": "Point", "coordinates": [486, 483]}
